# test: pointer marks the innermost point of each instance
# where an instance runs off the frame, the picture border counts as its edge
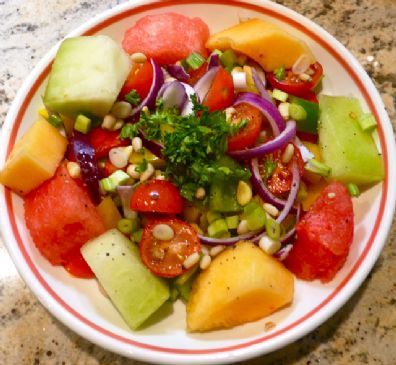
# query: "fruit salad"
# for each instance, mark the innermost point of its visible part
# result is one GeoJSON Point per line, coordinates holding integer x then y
{"type": "Point", "coordinates": [181, 165]}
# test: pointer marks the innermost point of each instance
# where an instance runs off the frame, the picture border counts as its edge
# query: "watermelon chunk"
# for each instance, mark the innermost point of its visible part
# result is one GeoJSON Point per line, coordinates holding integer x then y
{"type": "Point", "coordinates": [61, 217]}
{"type": "Point", "coordinates": [167, 38]}
{"type": "Point", "coordinates": [324, 236]}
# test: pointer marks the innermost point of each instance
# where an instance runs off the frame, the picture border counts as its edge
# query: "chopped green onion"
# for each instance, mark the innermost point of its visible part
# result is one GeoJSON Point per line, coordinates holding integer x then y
{"type": "Point", "coordinates": [55, 120]}
{"type": "Point", "coordinates": [318, 168]}
{"type": "Point", "coordinates": [212, 216]}
{"type": "Point", "coordinates": [279, 95]}
{"type": "Point", "coordinates": [217, 228]}
{"type": "Point", "coordinates": [195, 60]}
{"type": "Point", "coordinates": [367, 122]}
{"type": "Point", "coordinates": [228, 59]}
{"type": "Point", "coordinates": [353, 190]}
{"type": "Point", "coordinates": [256, 219]}
{"type": "Point", "coordinates": [125, 226]}
{"type": "Point", "coordinates": [137, 235]}
{"type": "Point", "coordinates": [82, 124]}
{"type": "Point", "coordinates": [272, 228]}
{"type": "Point", "coordinates": [106, 184]}
{"type": "Point", "coordinates": [280, 73]}
{"type": "Point", "coordinates": [132, 98]}
{"type": "Point", "coordinates": [117, 178]}
{"type": "Point", "coordinates": [297, 112]}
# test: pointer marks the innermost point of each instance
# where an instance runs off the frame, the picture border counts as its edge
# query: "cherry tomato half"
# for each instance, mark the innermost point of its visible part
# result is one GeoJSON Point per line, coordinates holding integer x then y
{"type": "Point", "coordinates": [221, 93]}
{"type": "Point", "coordinates": [281, 179]}
{"type": "Point", "coordinates": [195, 75]}
{"type": "Point", "coordinates": [140, 78]}
{"type": "Point", "coordinates": [165, 258]}
{"type": "Point", "coordinates": [103, 141]}
{"type": "Point", "coordinates": [77, 266]}
{"type": "Point", "coordinates": [157, 196]}
{"type": "Point", "coordinates": [247, 136]}
{"type": "Point", "coordinates": [294, 85]}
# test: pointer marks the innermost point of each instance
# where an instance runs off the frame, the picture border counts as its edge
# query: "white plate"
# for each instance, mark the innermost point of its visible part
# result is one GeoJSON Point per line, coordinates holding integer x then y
{"type": "Point", "coordinates": [79, 304]}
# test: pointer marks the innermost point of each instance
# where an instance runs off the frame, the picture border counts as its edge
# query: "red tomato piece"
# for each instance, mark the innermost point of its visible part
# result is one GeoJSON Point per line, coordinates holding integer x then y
{"type": "Point", "coordinates": [293, 85]}
{"type": "Point", "coordinates": [165, 258]}
{"type": "Point", "coordinates": [167, 37]}
{"type": "Point", "coordinates": [195, 75]}
{"type": "Point", "coordinates": [221, 93]}
{"type": "Point", "coordinates": [157, 196]}
{"type": "Point", "coordinates": [61, 217]}
{"type": "Point", "coordinates": [140, 79]}
{"type": "Point", "coordinates": [324, 236]}
{"type": "Point", "coordinates": [103, 141]}
{"type": "Point", "coordinates": [247, 136]}
{"type": "Point", "coordinates": [77, 266]}
{"type": "Point", "coordinates": [281, 179]}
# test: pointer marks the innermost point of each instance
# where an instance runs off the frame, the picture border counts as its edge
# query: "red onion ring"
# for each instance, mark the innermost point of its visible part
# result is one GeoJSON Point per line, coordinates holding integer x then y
{"type": "Point", "coordinates": [260, 85]}
{"type": "Point", "coordinates": [178, 72]}
{"type": "Point", "coordinates": [204, 83]}
{"type": "Point", "coordinates": [269, 110]}
{"type": "Point", "coordinates": [214, 60]}
{"type": "Point", "coordinates": [173, 94]}
{"type": "Point", "coordinates": [149, 100]}
{"type": "Point", "coordinates": [277, 143]}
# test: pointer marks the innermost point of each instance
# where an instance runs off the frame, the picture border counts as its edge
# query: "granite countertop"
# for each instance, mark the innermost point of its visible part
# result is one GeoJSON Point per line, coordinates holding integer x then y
{"type": "Point", "coordinates": [362, 332]}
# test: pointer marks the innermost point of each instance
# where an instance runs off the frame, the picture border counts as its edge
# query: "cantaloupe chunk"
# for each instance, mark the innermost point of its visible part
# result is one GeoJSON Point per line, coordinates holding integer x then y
{"type": "Point", "coordinates": [241, 285]}
{"type": "Point", "coordinates": [109, 213]}
{"type": "Point", "coordinates": [34, 158]}
{"type": "Point", "coordinates": [264, 42]}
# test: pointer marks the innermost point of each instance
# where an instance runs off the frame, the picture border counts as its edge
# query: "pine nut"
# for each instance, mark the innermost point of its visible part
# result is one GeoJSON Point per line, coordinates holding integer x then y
{"type": "Point", "coordinates": [119, 156]}
{"type": "Point", "coordinates": [131, 171]}
{"type": "Point", "coordinates": [119, 124]}
{"type": "Point", "coordinates": [271, 209]}
{"type": "Point", "coordinates": [205, 262]}
{"type": "Point", "coordinates": [73, 169]}
{"type": "Point", "coordinates": [214, 251]}
{"type": "Point", "coordinates": [200, 193]}
{"type": "Point", "coordinates": [147, 173]}
{"type": "Point", "coordinates": [244, 193]}
{"type": "Point", "coordinates": [163, 232]}
{"type": "Point", "coordinates": [137, 144]}
{"type": "Point", "coordinates": [108, 122]}
{"type": "Point", "coordinates": [305, 77]}
{"type": "Point", "coordinates": [288, 153]}
{"type": "Point", "coordinates": [145, 110]}
{"type": "Point", "coordinates": [237, 69]}
{"type": "Point", "coordinates": [204, 250]}
{"type": "Point", "coordinates": [284, 110]}
{"type": "Point", "coordinates": [121, 109]}
{"type": "Point", "coordinates": [242, 227]}
{"type": "Point", "coordinates": [191, 260]}
{"type": "Point", "coordinates": [269, 246]}
{"type": "Point", "coordinates": [138, 57]}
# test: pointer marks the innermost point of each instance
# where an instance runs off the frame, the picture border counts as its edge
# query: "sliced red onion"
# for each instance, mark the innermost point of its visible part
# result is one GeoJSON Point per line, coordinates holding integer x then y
{"type": "Point", "coordinates": [82, 151]}
{"type": "Point", "coordinates": [295, 185]}
{"type": "Point", "coordinates": [205, 82]}
{"type": "Point", "coordinates": [306, 154]}
{"type": "Point", "coordinates": [173, 94]}
{"type": "Point", "coordinates": [277, 143]}
{"type": "Point", "coordinates": [158, 80]}
{"type": "Point", "coordinates": [283, 252]}
{"type": "Point", "coordinates": [178, 72]}
{"type": "Point", "coordinates": [188, 106]}
{"type": "Point", "coordinates": [301, 65]}
{"type": "Point", "coordinates": [214, 60]}
{"type": "Point", "coordinates": [260, 85]}
{"type": "Point", "coordinates": [239, 79]}
{"type": "Point", "coordinates": [125, 193]}
{"type": "Point", "coordinates": [269, 110]}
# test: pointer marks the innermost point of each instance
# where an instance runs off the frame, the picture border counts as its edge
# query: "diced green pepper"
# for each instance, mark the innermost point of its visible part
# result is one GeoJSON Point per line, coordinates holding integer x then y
{"type": "Point", "coordinates": [250, 207]}
{"type": "Point", "coordinates": [212, 216]}
{"type": "Point", "coordinates": [310, 122]}
{"type": "Point", "coordinates": [256, 219]}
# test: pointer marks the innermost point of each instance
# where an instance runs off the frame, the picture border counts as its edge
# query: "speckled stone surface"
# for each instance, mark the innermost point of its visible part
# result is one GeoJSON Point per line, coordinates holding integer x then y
{"type": "Point", "coordinates": [362, 332]}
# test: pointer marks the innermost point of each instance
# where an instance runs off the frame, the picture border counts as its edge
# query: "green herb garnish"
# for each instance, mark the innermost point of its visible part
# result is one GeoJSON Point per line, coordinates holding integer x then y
{"type": "Point", "coordinates": [280, 73]}
{"type": "Point", "coordinates": [142, 166]}
{"type": "Point", "coordinates": [269, 168]}
{"type": "Point", "coordinates": [133, 98]}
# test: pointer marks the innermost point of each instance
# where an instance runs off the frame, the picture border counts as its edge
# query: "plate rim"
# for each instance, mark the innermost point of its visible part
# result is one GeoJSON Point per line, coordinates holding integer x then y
{"type": "Point", "coordinates": [229, 354]}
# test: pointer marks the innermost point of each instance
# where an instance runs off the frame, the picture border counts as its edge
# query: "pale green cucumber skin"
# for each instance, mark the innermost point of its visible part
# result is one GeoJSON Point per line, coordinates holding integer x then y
{"type": "Point", "coordinates": [345, 147]}
{"type": "Point", "coordinates": [133, 289]}
{"type": "Point", "coordinates": [86, 76]}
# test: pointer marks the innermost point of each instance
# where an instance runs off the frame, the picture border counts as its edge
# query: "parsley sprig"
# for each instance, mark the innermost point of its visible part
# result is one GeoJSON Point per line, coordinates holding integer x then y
{"type": "Point", "coordinates": [194, 145]}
